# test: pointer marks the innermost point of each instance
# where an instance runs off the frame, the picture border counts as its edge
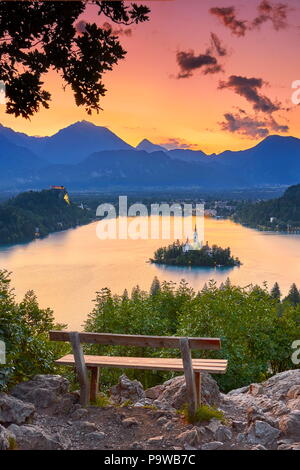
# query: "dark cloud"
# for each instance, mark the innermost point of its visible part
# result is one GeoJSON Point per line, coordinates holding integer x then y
{"type": "Point", "coordinates": [249, 89]}
{"type": "Point", "coordinates": [251, 126]}
{"type": "Point", "coordinates": [276, 13]}
{"type": "Point", "coordinates": [81, 26]}
{"type": "Point", "coordinates": [216, 45]}
{"type": "Point", "coordinates": [173, 143]}
{"type": "Point", "coordinates": [228, 17]}
{"type": "Point", "coordinates": [117, 31]}
{"type": "Point", "coordinates": [189, 62]}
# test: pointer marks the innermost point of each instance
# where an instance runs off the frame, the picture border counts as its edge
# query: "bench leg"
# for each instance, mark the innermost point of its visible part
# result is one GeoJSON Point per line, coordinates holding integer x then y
{"type": "Point", "coordinates": [189, 375]}
{"type": "Point", "coordinates": [198, 387]}
{"type": "Point", "coordinates": [94, 384]}
{"type": "Point", "coordinates": [80, 366]}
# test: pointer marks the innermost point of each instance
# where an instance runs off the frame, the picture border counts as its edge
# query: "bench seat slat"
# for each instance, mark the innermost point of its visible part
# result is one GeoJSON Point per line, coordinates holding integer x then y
{"type": "Point", "coordinates": [216, 366]}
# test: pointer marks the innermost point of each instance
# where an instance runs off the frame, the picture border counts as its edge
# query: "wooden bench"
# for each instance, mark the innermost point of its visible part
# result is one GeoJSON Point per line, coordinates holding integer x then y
{"type": "Point", "coordinates": [192, 368]}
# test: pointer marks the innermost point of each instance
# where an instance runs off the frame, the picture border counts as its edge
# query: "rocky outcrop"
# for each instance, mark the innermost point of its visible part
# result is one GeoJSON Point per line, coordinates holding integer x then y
{"type": "Point", "coordinates": [127, 391]}
{"type": "Point", "coordinates": [42, 414]}
{"type": "Point", "coordinates": [13, 410]}
{"type": "Point", "coordinates": [43, 391]}
{"type": "Point", "coordinates": [290, 425]}
{"type": "Point", "coordinates": [272, 409]}
{"type": "Point", "coordinates": [173, 392]}
{"type": "Point", "coordinates": [7, 439]}
{"type": "Point", "coordinates": [32, 437]}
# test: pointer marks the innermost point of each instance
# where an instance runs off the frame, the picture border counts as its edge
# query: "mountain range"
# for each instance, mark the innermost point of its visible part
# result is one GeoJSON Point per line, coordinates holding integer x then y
{"type": "Point", "coordinates": [90, 157]}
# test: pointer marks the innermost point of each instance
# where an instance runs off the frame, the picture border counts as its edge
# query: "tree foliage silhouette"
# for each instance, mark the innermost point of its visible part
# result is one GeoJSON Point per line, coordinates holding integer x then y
{"type": "Point", "coordinates": [36, 37]}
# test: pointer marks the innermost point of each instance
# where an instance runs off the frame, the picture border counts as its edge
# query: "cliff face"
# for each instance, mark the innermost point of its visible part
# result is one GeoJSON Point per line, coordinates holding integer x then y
{"type": "Point", "coordinates": [43, 414]}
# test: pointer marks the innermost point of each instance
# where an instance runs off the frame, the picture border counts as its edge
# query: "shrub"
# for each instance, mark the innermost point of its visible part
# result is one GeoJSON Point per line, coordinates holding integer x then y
{"type": "Point", "coordinates": [24, 328]}
{"type": "Point", "coordinates": [203, 413]}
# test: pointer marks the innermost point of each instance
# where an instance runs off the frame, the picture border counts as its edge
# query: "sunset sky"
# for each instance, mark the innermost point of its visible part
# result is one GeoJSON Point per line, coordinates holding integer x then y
{"type": "Point", "coordinates": [175, 88]}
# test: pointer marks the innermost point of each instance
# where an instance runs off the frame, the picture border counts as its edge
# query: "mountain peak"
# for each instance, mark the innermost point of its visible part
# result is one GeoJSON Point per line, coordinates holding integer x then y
{"type": "Point", "coordinates": [149, 147]}
{"type": "Point", "coordinates": [84, 124]}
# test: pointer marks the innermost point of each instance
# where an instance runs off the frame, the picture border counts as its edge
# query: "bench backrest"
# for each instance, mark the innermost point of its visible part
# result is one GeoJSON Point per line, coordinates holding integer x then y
{"type": "Point", "coordinates": [138, 340]}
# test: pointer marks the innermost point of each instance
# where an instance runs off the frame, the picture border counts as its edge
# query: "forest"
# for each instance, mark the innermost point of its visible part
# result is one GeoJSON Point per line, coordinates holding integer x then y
{"type": "Point", "coordinates": [281, 214]}
{"type": "Point", "coordinates": [256, 328]}
{"type": "Point", "coordinates": [35, 214]}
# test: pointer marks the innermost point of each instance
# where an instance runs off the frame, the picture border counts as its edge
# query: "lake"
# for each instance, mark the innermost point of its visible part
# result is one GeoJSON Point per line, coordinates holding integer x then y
{"type": "Point", "coordinates": [67, 268]}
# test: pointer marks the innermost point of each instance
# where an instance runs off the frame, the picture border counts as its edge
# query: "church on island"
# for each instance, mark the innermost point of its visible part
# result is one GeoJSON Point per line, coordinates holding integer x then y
{"type": "Point", "coordinates": [193, 246]}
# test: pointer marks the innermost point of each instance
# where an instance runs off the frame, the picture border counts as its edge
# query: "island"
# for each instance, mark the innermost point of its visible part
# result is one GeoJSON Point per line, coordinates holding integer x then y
{"type": "Point", "coordinates": [206, 256]}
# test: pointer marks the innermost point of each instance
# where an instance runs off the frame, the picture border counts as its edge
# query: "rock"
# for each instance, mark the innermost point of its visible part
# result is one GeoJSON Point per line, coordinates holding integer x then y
{"type": "Point", "coordinates": [7, 439]}
{"type": "Point", "coordinates": [80, 413]}
{"type": "Point", "coordinates": [238, 391]}
{"type": "Point", "coordinates": [164, 405]}
{"type": "Point", "coordinates": [136, 445]}
{"type": "Point", "coordinates": [279, 385]}
{"type": "Point", "coordinates": [256, 389]}
{"type": "Point", "coordinates": [262, 433]}
{"type": "Point", "coordinates": [259, 447]}
{"type": "Point", "coordinates": [190, 437]}
{"type": "Point", "coordinates": [155, 440]}
{"type": "Point", "coordinates": [66, 404]}
{"type": "Point", "coordinates": [168, 426]}
{"type": "Point", "coordinates": [238, 426]}
{"type": "Point", "coordinates": [129, 422]}
{"type": "Point", "coordinates": [97, 435]}
{"type": "Point", "coordinates": [223, 433]}
{"type": "Point", "coordinates": [127, 390]}
{"type": "Point", "coordinates": [173, 392]}
{"type": "Point", "coordinates": [43, 390]}
{"type": "Point", "coordinates": [294, 392]}
{"type": "Point", "coordinates": [85, 426]}
{"type": "Point", "coordinates": [213, 425]}
{"type": "Point", "coordinates": [290, 425]}
{"type": "Point", "coordinates": [143, 402]}
{"type": "Point", "coordinates": [241, 437]}
{"type": "Point", "coordinates": [294, 404]}
{"type": "Point", "coordinates": [162, 420]}
{"type": "Point", "coordinates": [29, 437]}
{"type": "Point", "coordinates": [214, 445]}
{"type": "Point", "coordinates": [154, 392]}
{"type": "Point", "coordinates": [254, 413]}
{"type": "Point", "coordinates": [13, 410]}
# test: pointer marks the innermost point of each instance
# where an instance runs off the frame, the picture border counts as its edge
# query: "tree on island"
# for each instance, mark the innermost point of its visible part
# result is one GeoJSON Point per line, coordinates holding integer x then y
{"type": "Point", "coordinates": [175, 255]}
{"type": "Point", "coordinates": [293, 296]}
{"type": "Point", "coordinates": [275, 292]}
{"type": "Point", "coordinates": [36, 37]}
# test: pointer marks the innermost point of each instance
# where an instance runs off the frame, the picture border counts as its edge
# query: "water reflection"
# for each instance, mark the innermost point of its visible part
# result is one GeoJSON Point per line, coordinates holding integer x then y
{"type": "Point", "coordinates": [67, 268]}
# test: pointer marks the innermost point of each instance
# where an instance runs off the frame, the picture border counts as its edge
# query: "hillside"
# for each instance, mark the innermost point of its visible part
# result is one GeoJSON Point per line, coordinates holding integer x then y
{"type": "Point", "coordinates": [276, 214]}
{"type": "Point", "coordinates": [89, 157]}
{"type": "Point", "coordinates": [69, 145]}
{"type": "Point", "coordinates": [36, 214]}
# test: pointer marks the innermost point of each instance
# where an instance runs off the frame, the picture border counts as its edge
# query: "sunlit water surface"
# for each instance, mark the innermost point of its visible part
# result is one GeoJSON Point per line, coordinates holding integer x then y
{"type": "Point", "coordinates": [67, 268]}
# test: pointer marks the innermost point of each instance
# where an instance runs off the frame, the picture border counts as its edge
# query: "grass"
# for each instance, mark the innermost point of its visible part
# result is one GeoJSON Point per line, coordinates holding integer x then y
{"type": "Point", "coordinates": [12, 443]}
{"type": "Point", "coordinates": [203, 413]}
{"type": "Point", "coordinates": [126, 403]}
{"type": "Point", "coordinates": [101, 401]}
{"type": "Point", "coordinates": [150, 407]}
